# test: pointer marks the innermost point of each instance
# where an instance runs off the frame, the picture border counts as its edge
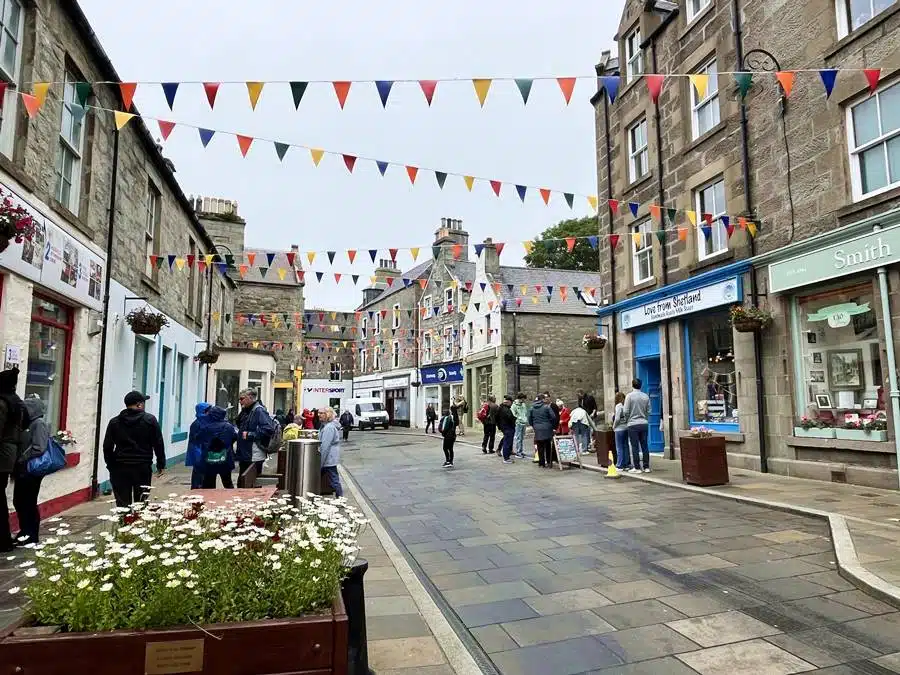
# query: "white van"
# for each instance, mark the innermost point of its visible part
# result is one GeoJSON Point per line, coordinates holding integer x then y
{"type": "Point", "coordinates": [368, 413]}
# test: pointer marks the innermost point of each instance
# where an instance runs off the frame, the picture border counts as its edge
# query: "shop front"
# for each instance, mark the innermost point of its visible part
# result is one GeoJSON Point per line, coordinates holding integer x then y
{"type": "Point", "coordinates": [397, 400]}
{"type": "Point", "coordinates": [442, 384]}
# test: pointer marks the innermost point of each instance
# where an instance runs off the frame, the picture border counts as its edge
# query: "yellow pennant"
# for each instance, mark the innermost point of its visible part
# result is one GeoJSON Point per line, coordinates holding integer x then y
{"type": "Point", "coordinates": [333, 315]}
{"type": "Point", "coordinates": [216, 316]}
{"type": "Point", "coordinates": [316, 155]}
{"type": "Point", "coordinates": [311, 256]}
{"type": "Point", "coordinates": [454, 284]}
{"type": "Point", "coordinates": [282, 273]}
{"type": "Point", "coordinates": [179, 263]}
{"type": "Point", "coordinates": [593, 202]}
{"type": "Point", "coordinates": [256, 344]}
{"type": "Point", "coordinates": [40, 92]}
{"type": "Point", "coordinates": [638, 239]}
{"type": "Point", "coordinates": [470, 181]}
{"type": "Point", "coordinates": [482, 87]}
{"type": "Point", "coordinates": [523, 289]}
{"type": "Point", "coordinates": [534, 300]}
{"type": "Point", "coordinates": [528, 245]}
{"type": "Point", "coordinates": [122, 118]}
{"type": "Point", "coordinates": [254, 89]}
{"type": "Point", "coordinates": [414, 252]}
{"type": "Point", "coordinates": [701, 83]}
{"type": "Point", "coordinates": [692, 217]}
{"type": "Point", "coordinates": [751, 228]}
{"type": "Point", "coordinates": [373, 279]}
{"type": "Point", "coordinates": [209, 258]}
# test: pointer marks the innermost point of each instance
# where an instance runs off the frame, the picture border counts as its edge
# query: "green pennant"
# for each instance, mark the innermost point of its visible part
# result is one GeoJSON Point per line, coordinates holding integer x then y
{"type": "Point", "coordinates": [82, 92]}
{"type": "Point", "coordinates": [160, 260]}
{"type": "Point", "coordinates": [744, 82]}
{"type": "Point", "coordinates": [263, 271]}
{"type": "Point", "coordinates": [661, 235]}
{"type": "Point", "coordinates": [673, 214]}
{"type": "Point", "coordinates": [228, 318]}
{"type": "Point", "coordinates": [229, 260]}
{"type": "Point", "coordinates": [435, 252]}
{"type": "Point", "coordinates": [549, 244]}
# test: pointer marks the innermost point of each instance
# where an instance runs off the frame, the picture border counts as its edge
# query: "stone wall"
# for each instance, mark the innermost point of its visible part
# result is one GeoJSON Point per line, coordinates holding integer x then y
{"type": "Point", "coordinates": [330, 339]}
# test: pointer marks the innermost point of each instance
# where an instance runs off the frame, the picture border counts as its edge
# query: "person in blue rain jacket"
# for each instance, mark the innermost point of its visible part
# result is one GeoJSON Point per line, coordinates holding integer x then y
{"type": "Point", "coordinates": [194, 455]}
{"type": "Point", "coordinates": [217, 446]}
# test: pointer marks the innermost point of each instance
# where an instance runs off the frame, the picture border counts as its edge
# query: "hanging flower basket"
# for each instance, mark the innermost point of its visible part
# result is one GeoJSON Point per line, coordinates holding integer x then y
{"type": "Point", "coordinates": [208, 356]}
{"type": "Point", "coordinates": [16, 223]}
{"type": "Point", "coordinates": [747, 319]}
{"type": "Point", "coordinates": [146, 322]}
{"type": "Point", "coordinates": [591, 342]}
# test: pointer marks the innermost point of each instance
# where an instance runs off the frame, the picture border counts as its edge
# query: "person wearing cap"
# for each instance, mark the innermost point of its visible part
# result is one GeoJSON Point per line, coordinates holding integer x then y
{"type": "Point", "coordinates": [132, 438]}
{"type": "Point", "coordinates": [13, 421]}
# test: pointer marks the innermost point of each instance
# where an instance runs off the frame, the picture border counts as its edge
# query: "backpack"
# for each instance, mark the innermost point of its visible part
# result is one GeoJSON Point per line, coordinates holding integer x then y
{"type": "Point", "coordinates": [276, 440]}
{"type": "Point", "coordinates": [482, 414]}
{"type": "Point", "coordinates": [216, 453]}
{"type": "Point", "coordinates": [445, 423]}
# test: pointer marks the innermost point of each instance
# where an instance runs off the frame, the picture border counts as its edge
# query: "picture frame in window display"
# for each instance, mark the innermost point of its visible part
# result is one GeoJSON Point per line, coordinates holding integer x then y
{"type": "Point", "coordinates": [823, 401]}
{"type": "Point", "coordinates": [817, 358]}
{"type": "Point", "coordinates": [817, 376]}
{"type": "Point", "coordinates": [870, 403]}
{"type": "Point", "coordinates": [845, 370]}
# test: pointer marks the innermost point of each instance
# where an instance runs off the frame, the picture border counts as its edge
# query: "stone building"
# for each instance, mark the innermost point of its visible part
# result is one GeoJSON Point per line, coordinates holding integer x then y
{"type": "Point", "coordinates": [80, 180]}
{"type": "Point", "coordinates": [811, 175]}
{"type": "Point", "coordinates": [329, 358]}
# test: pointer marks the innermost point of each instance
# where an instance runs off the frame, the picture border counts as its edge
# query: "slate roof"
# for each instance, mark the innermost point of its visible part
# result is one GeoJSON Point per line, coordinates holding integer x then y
{"type": "Point", "coordinates": [419, 271]}
{"type": "Point", "coordinates": [531, 277]}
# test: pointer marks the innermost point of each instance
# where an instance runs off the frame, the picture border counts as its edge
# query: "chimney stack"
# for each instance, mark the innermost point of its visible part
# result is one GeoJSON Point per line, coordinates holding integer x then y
{"type": "Point", "coordinates": [451, 233]}
{"type": "Point", "coordinates": [490, 259]}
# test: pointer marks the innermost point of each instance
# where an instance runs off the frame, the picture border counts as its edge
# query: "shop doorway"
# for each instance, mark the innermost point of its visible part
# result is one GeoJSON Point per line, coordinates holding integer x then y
{"type": "Point", "coordinates": [649, 372]}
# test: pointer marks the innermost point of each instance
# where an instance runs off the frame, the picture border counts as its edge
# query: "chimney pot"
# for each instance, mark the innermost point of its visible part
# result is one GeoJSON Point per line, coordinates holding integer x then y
{"type": "Point", "coordinates": [443, 222]}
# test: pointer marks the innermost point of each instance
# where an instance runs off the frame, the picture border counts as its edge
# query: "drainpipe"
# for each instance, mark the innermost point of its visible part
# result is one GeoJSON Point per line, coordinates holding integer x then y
{"type": "Point", "coordinates": [754, 288]}
{"type": "Point", "coordinates": [613, 332]}
{"type": "Point", "coordinates": [110, 238]}
{"type": "Point", "coordinates": [515, 355]}
{"type": "Point", "coordinates": [891, 359]}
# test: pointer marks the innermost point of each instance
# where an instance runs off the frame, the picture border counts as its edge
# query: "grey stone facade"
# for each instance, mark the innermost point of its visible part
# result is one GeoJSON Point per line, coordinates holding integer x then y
{"type": "Point", "coordinates": [329, 338]}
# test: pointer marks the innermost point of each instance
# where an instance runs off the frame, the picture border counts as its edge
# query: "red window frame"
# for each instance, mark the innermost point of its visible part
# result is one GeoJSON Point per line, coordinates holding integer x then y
{"type": "Point", "coordinates": [68, 329]}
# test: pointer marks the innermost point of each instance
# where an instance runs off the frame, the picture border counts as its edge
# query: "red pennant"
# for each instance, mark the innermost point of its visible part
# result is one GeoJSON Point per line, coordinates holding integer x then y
{"type": "Point", "coordinates": [165, 128]}
{"type": "Point", "coordinates": [518, 302]}
{"type": "Point", "coordinates": [351, 254]}
{"type": "Point", "coordinates": [873, 75]}
{"type": "Point", "coordinates": [349, 162]}
{"type": "Point", "coordinates": [428, 87]}
{"type": "Point", "coordinates": [495, 186]}
{"type": "Point", "coordinates": [384, 312]}
{"type": "Point", "coordinates": [468, 286]}
{"type": "Point", "coordinates": [393, 252]}
{"type": "Point", "coordinates": [567, 86]}
{"type": "Point", "coordinates": [337, 278]}
{"type": "Point", "coordinates": [614, 240]}
{"type": "Point", "coordinates": [341, 89]}
{"type": "Point", "coordinates": [538, 288]}
{"type": "Point", "coordinates": [499, 246]}
{"type": "Point", "coordinates": [545, 195]}
{"type": "Point", "coordinates": [613, 206]}
{"type": "Point", "coordinates": [251, 259]}
{"type": "Point", "coordinates": [153, 259]}
{"type": "Point", "coordinates": [423, 283]}
{"type": "Point", "coordinates": [708, 217]}
{"type": "Point", "coordinates": [570, 243]}
{"type": "Point", "coordinates": [244, 142]}
{"type": "Point", "coordinates": [390, 283]}
{"type": "Point", "coordinates": [654, 85]}
{"type": "Point", "coordinates": [290, 258]}
{"type": "Point", "coordinates": [301, 275]}
{"type": "Point", "coordinates": [127, 89]}
{"type": "Point", "coordinates": [457, 251]}
{"type": "Point", "coordinates": [190, 260]}
{"type": "Point", "coordinates": [211, 89]}
{"type": "Point", "coordinates": [412, 172]}
{"type": "Point", "coordinates": [3, 86]}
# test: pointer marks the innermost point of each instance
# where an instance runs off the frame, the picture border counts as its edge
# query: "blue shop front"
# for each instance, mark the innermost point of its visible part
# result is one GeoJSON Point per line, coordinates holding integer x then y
{"type": "Point", "coordinates": [702, 386]}
{"type": "Point", "coordinates": [442, 383]}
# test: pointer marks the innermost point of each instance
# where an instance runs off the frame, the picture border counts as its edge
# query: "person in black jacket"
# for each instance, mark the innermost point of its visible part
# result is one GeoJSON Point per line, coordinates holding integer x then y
{"type": "Point", "coordinates": [132, 439]}
{"type": "Point", "coordinates": [506, 422]}
{"type": "Point", "coordinates": [587, 401]}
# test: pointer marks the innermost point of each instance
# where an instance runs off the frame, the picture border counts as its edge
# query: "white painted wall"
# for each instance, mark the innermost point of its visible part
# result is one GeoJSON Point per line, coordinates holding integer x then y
{"type": "Point", "coordinates": [362, 386]}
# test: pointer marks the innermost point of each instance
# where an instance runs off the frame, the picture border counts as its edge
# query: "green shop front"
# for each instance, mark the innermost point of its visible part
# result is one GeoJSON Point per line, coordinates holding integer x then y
{"type": "Point", "coordinates": [840, 354]}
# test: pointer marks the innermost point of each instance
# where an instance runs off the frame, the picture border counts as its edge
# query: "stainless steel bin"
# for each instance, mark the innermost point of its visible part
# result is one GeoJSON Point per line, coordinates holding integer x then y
{"type": "Point", "coordinates": [303, 467]}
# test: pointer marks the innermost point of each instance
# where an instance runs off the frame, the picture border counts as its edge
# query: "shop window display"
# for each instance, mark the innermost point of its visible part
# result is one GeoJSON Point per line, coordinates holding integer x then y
{"type": "Point", "coordinates": [48, 357]}
{"type": "Point", "coordinates": [713, 380]}
{"type": "Point", "coordinates": [840, 352]}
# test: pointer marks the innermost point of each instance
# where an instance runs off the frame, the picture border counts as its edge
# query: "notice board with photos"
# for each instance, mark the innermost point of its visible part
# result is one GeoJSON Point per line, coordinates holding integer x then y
{"type": "Point", "coordinates": [566, 450]}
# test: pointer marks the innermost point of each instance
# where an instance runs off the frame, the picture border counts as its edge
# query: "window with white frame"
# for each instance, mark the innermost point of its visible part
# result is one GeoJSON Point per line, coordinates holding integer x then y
{"type": "Point", "coordinates": [334, 373]}
{"type": "Point", "coordinates": [395, 354]}
{"type": "Point", "coordinates": [853, 14]}
{"type": "Point", "coordinates": [395, 321]}
{"type": "Point", "coordinates": [426, 348]}
{"type": "Point", "coordinates": [12, 21]}
{"type": "Point", "coordinates": [488, 334]}
{"type": "Point", "coordinates": [638, 154]}
{"type": "Point", "coordinates": [471, 330]}
{"type": "Point", "coordinates": [711, 199]}
{"type": "Point", "coordinates": [363, 360]}
{"type": "Point", "coordinates": [448, 300]}
{"type": "Point", "coordinates": [426, 303]}
{"type": "Point", "coordinates": [634, 56]}
{"type": "Point", "coordinates": [448, 344]}
{"type": "Point", "coordinates": [71, 147]}
{"type": "Point", "coordinates": [151, 228]}
{"type": "Point", "coordinates": [377, 324]}
{"type": "Point", "coordinates": [365, 328]}
{"type": "Point", "coordinates": [874, 139]}
{"type": "Point", "coordinates": [694, 7]}
{"type": "Point", "coordinates": [376, 358]}
{"type": "Point", "coordinates": [193, 297]}
{"type": "Point", "coordinates": [220, 333]}
{"type": "Point", "coordinates": [705, 112]}
{"type": "Point", "coordinates": [642, 251]}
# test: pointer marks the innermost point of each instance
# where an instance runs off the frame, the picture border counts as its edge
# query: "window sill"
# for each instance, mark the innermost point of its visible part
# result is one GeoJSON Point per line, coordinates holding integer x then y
{"type": "Point", "coordinates": [854, 209]}
{"type": "Point", "coordinates": [179, 436]}
{"type": "Point", "coordinates": [880, 447]}
{"type": "Point", "coordinates": [712, 133]}
{"type": "Point", "coordinates": [867, 27]}
{"type": "Point", "coordinates": [16, 172]}
{"type": "Point", "coordinates": [643, 286]}
{"type": "Point", "coordinates": [695, 20]}
{"type": "Point", "coordinates": [711, 261]}
{"type": "Point", "coordinates": [730, 436]}
{"type": "Point", "coordinates": [634, 185]}
{"type": "Point", "coordinates": [150, 283]}
{"type": "Point", "coordinates": [72, 219]}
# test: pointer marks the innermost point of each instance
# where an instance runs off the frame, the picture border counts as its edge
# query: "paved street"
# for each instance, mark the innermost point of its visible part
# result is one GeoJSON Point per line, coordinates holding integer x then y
{"type": "Point", "coordinates": [563, 572]}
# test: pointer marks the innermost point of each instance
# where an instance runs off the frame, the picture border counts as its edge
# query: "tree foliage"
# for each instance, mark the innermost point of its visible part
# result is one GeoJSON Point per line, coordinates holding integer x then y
{"type": "Point", "coordinates": [551, 251]}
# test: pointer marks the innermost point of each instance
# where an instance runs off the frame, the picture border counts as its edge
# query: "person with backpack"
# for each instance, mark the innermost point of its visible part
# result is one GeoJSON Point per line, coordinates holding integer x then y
{"type": "Point", "coordinates": [13, 420]}
{"type": "Point", "coordinates": [506, 422]}
{"type": "Point", "coordinates": [217, 449]}
{"type": "Point", "coordinates": [255, 432]}
{"type": "Point", "coordinates": [346, 423]}
{"type": "Point", "coordinates": [194, 455]}
{"type": "Point", "coordinates": [27, 486]}
{"type": "Point", "coordinates": [488, 418]}
{"type": "Point", "coordinates": [447, 429]}
{"type": "Point", "coordinates": [330, 450]}
{"type": "Point", "coordinates": [430, 418]}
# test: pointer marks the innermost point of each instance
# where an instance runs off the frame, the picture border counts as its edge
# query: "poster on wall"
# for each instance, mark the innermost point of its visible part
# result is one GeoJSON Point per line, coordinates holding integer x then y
{"type": "Point", "coordinates": [55, 259]}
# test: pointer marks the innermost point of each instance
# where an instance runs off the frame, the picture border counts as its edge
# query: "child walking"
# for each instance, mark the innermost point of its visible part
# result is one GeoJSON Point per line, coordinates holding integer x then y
{"type": "Point", "coordinates": [447, 429]}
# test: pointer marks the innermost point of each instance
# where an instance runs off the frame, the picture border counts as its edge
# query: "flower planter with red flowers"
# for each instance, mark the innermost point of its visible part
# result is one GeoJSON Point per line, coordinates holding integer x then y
{"type": "Point", "coordinates": [16, 223]}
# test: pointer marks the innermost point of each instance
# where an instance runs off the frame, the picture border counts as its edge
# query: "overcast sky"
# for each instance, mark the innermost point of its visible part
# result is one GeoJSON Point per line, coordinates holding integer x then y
{"type": "Point", "coordinates": [544, 144]}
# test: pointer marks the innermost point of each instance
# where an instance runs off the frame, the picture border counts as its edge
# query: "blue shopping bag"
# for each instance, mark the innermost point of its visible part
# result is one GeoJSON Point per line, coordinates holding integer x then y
{"type": "Point", "coordinates": [53, 459]}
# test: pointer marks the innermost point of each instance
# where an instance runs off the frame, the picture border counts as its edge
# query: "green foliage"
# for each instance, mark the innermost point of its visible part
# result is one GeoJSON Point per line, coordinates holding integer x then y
{"type": "Point", "coordinates": [550, 250]}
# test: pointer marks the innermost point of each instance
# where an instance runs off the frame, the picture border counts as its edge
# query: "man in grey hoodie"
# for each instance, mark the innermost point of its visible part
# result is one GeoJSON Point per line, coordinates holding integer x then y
{"type": "Point", "coordinates": [636, 413]}
{"type": "Point", "coordinates": [330, 449]}
{"type": "Point", "coordinates": [27, 487]}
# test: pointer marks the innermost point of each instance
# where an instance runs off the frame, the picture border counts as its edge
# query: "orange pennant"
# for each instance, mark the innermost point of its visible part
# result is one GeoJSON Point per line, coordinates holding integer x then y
{"type": "Point", "coordinates": [127, 90]}
{"type": "Point", "coordinates": [341, 89]}
{"type": "Point", "coordinates": [251, 259]}
{"type": "Point", "coordinates": [655, 211]}
{"type": "Point", "coordinates": [32, 104]}
{"type": "Point", "coordinates": [40, 92]}
{"type": "Point", "coordinates": [567, 85]}
{"type": "Point", "coordinates": [682, 234]}
{"type": "Point", "coordinates": [786, 79]}
{"type": "Point", "coordinates": [545, 195]}
{"type": "Point", "coordinates": [412, 172]}
{"type": "Point", "coordinates": [244, 142]}
{"type": "Point", "coordinates": [423, 283]}
{"type": "Point", "coordinates": [570, 243]}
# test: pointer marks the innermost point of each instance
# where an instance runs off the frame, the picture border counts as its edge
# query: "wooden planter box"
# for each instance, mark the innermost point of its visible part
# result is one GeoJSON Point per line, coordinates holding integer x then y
{"type": "Point", "coordinates": [704, 461]}
{"type": "Point", "coordinates": [814, 432]}
{"type": "Point", "coordinates": [312, 645]}
{"type": "Point", "coordinates": [860, 435]}
{"type": "Point", "coordinates": [604, 442]}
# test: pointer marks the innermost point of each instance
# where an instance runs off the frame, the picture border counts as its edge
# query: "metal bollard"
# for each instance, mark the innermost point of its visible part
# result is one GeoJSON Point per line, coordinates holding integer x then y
{"type": "Point", "coordinates": [354, 596]}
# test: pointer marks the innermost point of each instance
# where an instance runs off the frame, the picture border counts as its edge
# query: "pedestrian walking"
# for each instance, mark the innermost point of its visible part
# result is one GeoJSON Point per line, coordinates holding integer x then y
{"type": "Point", "coordinates": [316, 418]}
{"type": "Point", "coordinates": [565, 416]}
{"type": "Point", "coordinates": [462, 408]}
{"type": "Point", "coordinates": [620, 431]}
{"type": "Point", "coordinates": [255, 430]}
{"type": "Point", "coordinates": [13, 421]}
{"type": "Point", "coordinates": [506, 422]}
{"type": "Point", "coordinates": [217, 444]}
{"type": "Point", "coordinates": [636, 411]}
{"type": "Point", "coordinates": [346, 424]}
{"type": "Point", "coordinates": [488, 418]}
{"type": "Point", "coordinates": [27, 486]}
{"type": "Point", "coordinates": [543, 420]}
{"type": "Point", "coordinates": [582, 428]}
{"type": "Point", "coordinates": [330, 450]}
{"type": "Point", "coordinates": [307, 419]}
{"type": "Point", "coordinates": [194, 455]}
{"type": "Point", "coordinates": [447, 429]}
{"type": "Point", "coordinates": [430, 419]}
{"type": "Point", "coordinates": [520, 410]}
{"type": "Point", "coordinates": [132, 439]}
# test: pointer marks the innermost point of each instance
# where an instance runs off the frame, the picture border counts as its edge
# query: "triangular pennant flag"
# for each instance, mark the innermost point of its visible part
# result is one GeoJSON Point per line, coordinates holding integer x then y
{"type": "Point", "coordinates": [570, 243]}
{"type": "Point", "coordinates": [701, 84]}
{"type": "Point", "coordinates": [351, 255]}
{"type": "Point", "coordinates": [316, 155]}
{"type": "Point", "coordinates": [435, 252]}
{"type": "Point", "coordinates": [281, 150]}
{"type": "Point", "coordinates": [170, 89]}
{"type": "Point", "coordinates": [523, 289]}
{"type": "Point", "coordinates": [297, 91]}
{"type": "Point", "coordinates": [412, 172]}
{"type": "Point", "coordinates": [165, 128]}
{"type": "Point", "coordinates": [121, 118]}
{"type": "Point", "coordinates": [3, 88]}
{"type": "Point", "coordinates": [744, 81]}
{"type": "Point", "coordinates": [549, 290]}
{"type": "Point", "coordinates": [212, 90]}
{"type": "Point", "coordinates": [355, 278]}
{"type": "Point", "coordinates": [270, 258]}
{"type": "Point", "coordinates": [545, 195]}
{"type": "Point", "coordinates": [549, 244]}
{"type": "Point", "coordinates": [708, 217]}
{"type": "Point", "coordinates": [282, 273]}
{"type": "Point", "coordinates": [786, 80]}
{"type": "Point", "coordinates": [414, 252]}
{"type": "Point", "coordinates": [341, 89]}
{"type": "Point", "coordinates": [310, 255]}
{"type": "Point", "coordinates": [477, 306]}
{"type": "Point", "coordinates": [638, 239]}
{"type": "Point", "coordinates": [40, 90]}
{"type": "Point", "coordinates": [291, 256]}
{"type": "Point", "coordinates": [244, 143]}
{"type": "Point", "coordinates": [349, 162]}
{"type": "Point", "coordinates": [634, 206]}
{"type": "Point", "coordinates": [521, 189]}
{"type": "Point", "coordinates": [610, 84]}
{"type": "Point", "coordinates": [566, 86]}
{"type": "Point", "coordinates": [661, 236]}
{"type": "Point", "coordinates": [742, 223]}
{"type": "Point", "coordinates": [469, 181]}
{"type": "Point", "coordinates": [482, 87]}
{"type": "Point", "coordinates": [179, 263]}
{"type": "Point", "coordinates": [390, 283]}
{"type": "Point", "coordinates": [592, 202]}
{"type": "Point", "coordinates": [726, 221]}
{"type": "Point", "coordinates": [82, 93]}
{"type": "Point", "coordinates": [457, 251]}
{"type": "Point", "coordinates": [524, 86]}
{"type": "Point", "coordinates": [126, 90]}
{"type": "Point", "coordinates": [672, 214]}
{"type": "Point", "coordinates": [751, 228]}
{"type": "Point", "coordinates": [495, 186]}
{"type": "Point", "coordinates": [171, 260]}
{"type": "Point", "coordinates": [319, 276]}
{"type": "Point", "coordinates": [254, 89]}
{"type": "Point", "coordinates": [423, 283]}
{"type": "Point", "coordinates": [528, 246]}
{"type": "Point", "coordinates": [382, 166]}
{"type": "Point", "coordinates": [613, 205]}
{"type": "Point", "coordinates": [682, 234]}
{"type": "Point", "coordinates": [707, 231]}
{"type": "Point", "coordinates": [499, 246]}
{"type": "Point", "coordinates": [384, 90]}
{"type": "Point", "coordinates": [441, 177]}
{"type": "Point", "coordinates": [538, 288]}
{"type": "Point", "coordinates": [251, 259]}
{"type": "Point", "coordinates": [32, 105]}
{"type": "Point", "coordinates": [570, 198]}
{"type": "Point", "coordinates": [468, 286]}
{"type": "Point", "coordinates": [407, 282]}
{"type": "Point", "coordinates": [393, 254]}
{"type": "Point", "coordinates": [330, 255]}
{"type": "Point", "coordinates": [478, 249]}
{"type": "Point", "coordinates": [654, 85]}
{"type": "Point", "coordinates": [337, 278]}
{"type": "Point", "coordinates": [593, 240]}
{"type": "Point", "coordinates": [692, 217]}
{"type": "Point", "coordinates": [428, 87]}
{"type": "Point", "coordinates": [655, 211]}
{"type": "Point", "coordinates": [206, 136]}
{"type": "Point", "coordinates": [189, 259]}
{"type": "Point", "coordinates": [829, 76]}
{"type": "Point", "coordinates": [613, 240]}
{"type": "Point", "coordinates": [373, 253]}
{"type": "Point", "coordinates": [873, 75]}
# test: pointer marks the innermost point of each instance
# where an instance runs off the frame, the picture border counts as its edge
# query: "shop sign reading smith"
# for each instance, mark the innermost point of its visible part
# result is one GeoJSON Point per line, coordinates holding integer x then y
{"type": "Point", "coordinates": [865, 252]}
{"type": "Point", "coordinates": [721, 293]}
